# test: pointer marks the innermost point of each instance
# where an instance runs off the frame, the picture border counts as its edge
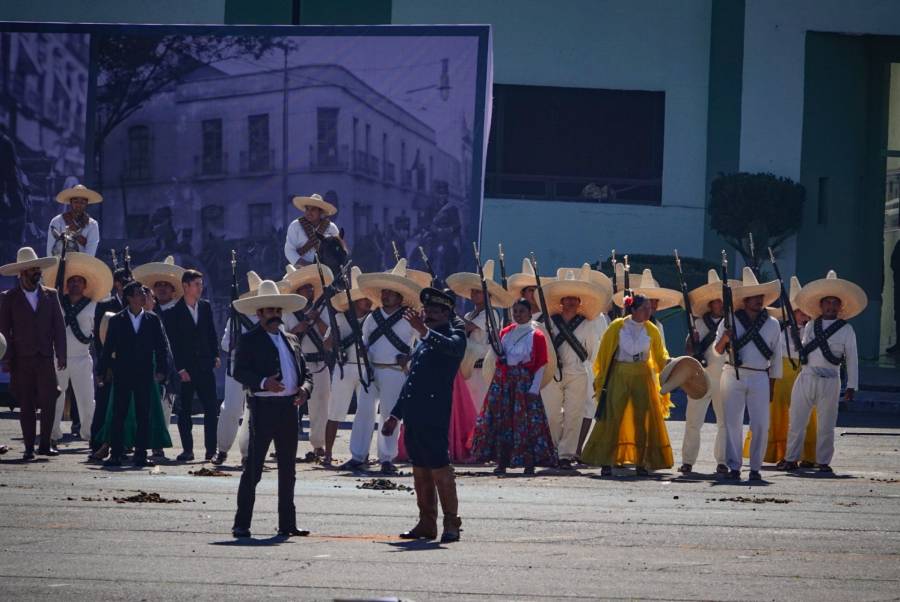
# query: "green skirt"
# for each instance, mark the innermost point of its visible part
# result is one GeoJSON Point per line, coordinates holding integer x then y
{"type": "Point", "coordinates": [159, 427]}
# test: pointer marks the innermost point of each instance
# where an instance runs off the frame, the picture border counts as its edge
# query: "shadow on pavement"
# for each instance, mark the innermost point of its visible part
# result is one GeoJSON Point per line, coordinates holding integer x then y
{"type": "Point", "coordinates": [415, 545]}
{"type": "Point", "coordinates": [250, 542]}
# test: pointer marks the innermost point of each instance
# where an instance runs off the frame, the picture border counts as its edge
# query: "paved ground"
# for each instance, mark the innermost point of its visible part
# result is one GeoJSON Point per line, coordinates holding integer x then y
{"type": "Point", "coordinates": [548, 537]}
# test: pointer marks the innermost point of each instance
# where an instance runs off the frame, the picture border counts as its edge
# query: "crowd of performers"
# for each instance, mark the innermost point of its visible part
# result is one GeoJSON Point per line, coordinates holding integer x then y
{"type": "Point", "coordinates": [553, 371]}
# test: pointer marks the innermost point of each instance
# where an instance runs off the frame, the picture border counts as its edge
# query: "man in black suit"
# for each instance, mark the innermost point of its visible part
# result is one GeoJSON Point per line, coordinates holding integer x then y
{"type": "Point", "coordinates": [135, 344]}
{"type": "Point", "coordinates": [113, 303]}
{"type": "Point", "coordinates": [424, 404]}
{"type": "Point", "coordinates": [269, 364]}
{"type": "Point", "coordinates": [195, 347]}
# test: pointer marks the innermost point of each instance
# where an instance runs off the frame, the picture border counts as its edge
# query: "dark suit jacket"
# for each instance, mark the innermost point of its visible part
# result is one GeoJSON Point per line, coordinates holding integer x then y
{"type": "Point", "coordinates": [195, 347]}
{"type": "Point", "coordinates": [256, 359]}
{"type": "Point", "coordinates": [427, 394]}
{"type": "Point", "coordinates": [32, 333]}
{"type": "Point", "coordinates": [112, 304]}
{"type": "Point", "coordinates": [131, 355]}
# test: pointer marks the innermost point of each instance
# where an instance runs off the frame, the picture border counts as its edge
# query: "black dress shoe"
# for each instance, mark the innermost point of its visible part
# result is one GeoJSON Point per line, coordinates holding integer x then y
{"type": "Point", "coordinates": [240, 532]}
{"type": "Point", "coordinates": [606, 471]}
{"type": "Point", "coordinates": [826, 469]}
{"type": "Point", "coordinates": [754, 476]}
{"type": "Point", "coordinates": [293, 532]}
{"type": "Point", "coordinates": [112, 461]}
{"type": "Point", "coordinates": [49, 451]}
{"type": "Point", "coordinates": [219, 458]}
{"type": "Point", "coordinates": [142, 461]}
{"type": "Point", "coordinates": [685, 468]}
{"type": "Point", "coordinates": [388, 468]}
{"type": "Point", "coordinates": [185, 456]}
{"type": "Point", "coordinates": [721, 469]}
{"type": "Point", "coordinates": [3, 449]}
{"type": "Point", "coordinates": [791, 466]}
{"type": "Point", "coordinates": [28, 455]}
{"type": "Point", "coordinates": [733, 475]}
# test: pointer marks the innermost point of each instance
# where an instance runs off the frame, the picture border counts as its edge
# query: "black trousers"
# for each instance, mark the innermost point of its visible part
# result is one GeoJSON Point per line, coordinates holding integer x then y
{"type": "Point", "coordinates": [271, 419]}
{"type": "Point", "coordinates": [203, 383]}
{"type": "Point", "coordinates": [123, 389]}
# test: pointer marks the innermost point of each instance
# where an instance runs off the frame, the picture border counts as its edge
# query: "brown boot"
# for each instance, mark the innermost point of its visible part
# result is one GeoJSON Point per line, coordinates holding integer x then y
{"type": "Point", "coordinates": [445, 480]}
{"type": "Point", "coordinates": [426, 499]}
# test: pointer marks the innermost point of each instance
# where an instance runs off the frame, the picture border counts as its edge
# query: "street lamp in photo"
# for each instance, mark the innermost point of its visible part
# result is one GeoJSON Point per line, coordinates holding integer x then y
{"type": "Point", "coordinates": [443, 85]}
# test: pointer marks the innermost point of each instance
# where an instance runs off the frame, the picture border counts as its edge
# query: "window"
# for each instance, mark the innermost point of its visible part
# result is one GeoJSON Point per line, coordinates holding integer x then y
{"type": "Point", "coordinates": [212, 147]}
{"type": "Point", "coordinates": [259, 153]}
{"type": "Point", "coordinates": [576, 144]}
{"type": "Point", "coordinates": [260, 220]}
{"type": "Point", "coordinates": [138, 161]}
{"type": "Point", "coordinates": [327, 137]}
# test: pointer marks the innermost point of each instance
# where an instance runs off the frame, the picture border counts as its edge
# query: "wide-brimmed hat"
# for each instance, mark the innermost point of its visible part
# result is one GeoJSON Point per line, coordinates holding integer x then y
{"type": "Point", "coordinates": [339, 300]}
{"type": "Point", "coordinates": [649, 287]}
{"type": "Point", "coordinates": [853, 297]}
{"type": "Point", "coordinates": [149, 274]}
{"type": "Point", "coordinates": [687, 373]}
{"type": "Point", "coordinates": [750, 287]}
{"type": "Point", "coordinates": [777, 312]}
{"type": "Point", "coordinates": [577, 283]}
{"type": "Point", "coordinates": [620, 277]}
{"type": "Point", "coordinates": [104, 326]}
{"type": "Point", "coordinates": [701, 296]}
{"type": "Point", "coordinates": [462, 284]}
{"type": "Point", "coordinates": [524, 279]}
{"type": "Point", "coordinates": [421, 278]}
{"type": "Point", "coordinates": [316, 200]}
{"type": "Point", "coordinates": [269, 295]}
{"type": "Point", "coordinates": [96, 274]}
{"type": "Point", "coordinates": [79, 191]}
{"type": "Point", "coordinates": [490, 362]}
{"type": "Point", "coordinates": [26, 259]}
{"type": "Point", "coordinates": [294, 278]}
{"type": "Point", "coordinates": [396, 280]}
{"type": "Point", "coordinates": [254, 280]}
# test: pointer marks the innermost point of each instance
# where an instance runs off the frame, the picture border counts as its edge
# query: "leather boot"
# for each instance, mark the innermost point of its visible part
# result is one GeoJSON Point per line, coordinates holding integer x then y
{"type": "Point", "coordinates": [426, 499]}
{"type": "Point", "coordinates": [445, 480]}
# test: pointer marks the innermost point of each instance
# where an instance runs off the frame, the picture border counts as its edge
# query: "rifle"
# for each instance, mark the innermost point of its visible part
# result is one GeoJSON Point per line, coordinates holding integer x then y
{"type": "Point", "coordinates": [617, 313]}
{"type": "Point", "coordinates": [728, 303]}
{"type": "Point", "coordinates": [429, 268]}
{"type": "Point", "coordinates": [503, 281]}
{"type": "Point", "coordinates": [115, 260]}
{"type": "Point", "coordinates": [234, 325]}
{"type": "Point", "coordinates": [60, 282]}
{"type": "Point", "coordinates": [489, 319]}
{"type": "Point", "coordinates": [692, 329]}
{"type": "Point", "coordinates": [328, 293]}
{"type": "Point", "coordinates": [397, 256]}
{"type": "Point", "coordinates": [362, 355]}
{"type": "Point", "coordinates": [545, 314]}
{"type": "Point", "coordinates": [626, 276]}
{"type": "Point", "coordinates": [754, 265]}
{"type": "Point", "coordinates": [788, 312]}
{"type": "Point", "coordinates": [127, 262]}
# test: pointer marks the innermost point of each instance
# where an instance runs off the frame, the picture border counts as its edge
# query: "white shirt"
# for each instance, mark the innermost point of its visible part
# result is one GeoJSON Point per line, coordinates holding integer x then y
{"type": "Point", "coordinates": [750, 356]}
{"type": "Point", "coordinates": [713, 359]}
{"type": "Point", "coordinates": [306, 344]}
{"type": "Point", "coordinates": [167, 306]}
{"type": "Point", "coordinates": [517, 345]}
{"type": "Point", "coordinates": [842, 344]}
{"type": "Point", "coordinates": [32, 297]}
{"type": "Point", "coordinates": [478, 338]}
{"type": "Point", "coordinates": [345, 331]}
{"type": "Point", "coordinates": [85, 319]}
{"type": "Point", "coordinates": [586, 333]}
{"type": "Point", "coordinates": [135, 319]}
{"type": "Point", "coordinates": [296, 238]}
{"type": "Point", "coordinates": [383, 351]}
{"type": "Point", "coordinates": [634, 342]}
{"type": "Point", "coordinates": [288, 371]}
{"type": "Point", "coordinates": [226, 338]}
{"type": "Point", "coordinates": [91, 232]}
{"type": "Point", "coordinates": [193, 311]}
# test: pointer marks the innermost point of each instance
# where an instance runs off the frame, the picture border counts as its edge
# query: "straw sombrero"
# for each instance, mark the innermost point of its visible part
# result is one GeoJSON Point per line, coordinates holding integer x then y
{"type": "Point", "coordinates": [294, 278]}
{"type": "Point", "coordinates": [26, 259]}
{"type": "Point", "coordinates": [421, 278]}
{"type": "Point", "coordinates": [316, 200]}
{"type": "Point", "coordinates": [96, 273]}
{"type": "Point", "coordinates": [750, 287]}
{"type": "Point", "coordinates": [79, 191]}
{"type": "Point", "coordinates": [649, 287]}
{"type": "Point", "coordinates": [104, 326]}
{"type": "Point", "coordinates": [687, 373]}
{"type": "Point", "coordinates": [524, 279]}
{"type": "Point", "coordinates": [269, 295]}
{"type": "Point", "coordinates": [396, 280]}
{"type": "Point", "coordinates": [149, 274]}
{"type": "Point", "coordinates": [776, 312]}
{"type": "Point", "coordinates": [853, 298]}
{"type": "Point", "coordinates": [462, 284]}
{"type": "Point", "coordinates": [701, 296]}
{"type": "Point", "coordinates": [339, 300]}
{"type": "Point", "coordinates": [577, 283]}
{"type": "Point", "coordinates": [598, 278]}
{"type": "Point", "coordinates": [620, 277]}
{"type": "Point", "coordinates": [490, 362]}
{"type": "Point", "coordinates": [253, 281]}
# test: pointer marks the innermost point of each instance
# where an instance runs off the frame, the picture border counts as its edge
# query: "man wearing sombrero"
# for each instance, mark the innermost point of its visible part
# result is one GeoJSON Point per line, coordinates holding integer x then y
{"type": "Point", "coordinates": [164, 279]}
{"type": "Point", "coordinates": [74, 227]}
{"type": "Point", "coordinates": [303, 235]}
{"type": "Point", "coordinates": [574, 303]}
{"type": "Point", "coordinates": [524, 285]}
{"type": "Point", "coordinates": [88, 280]}
{"type": "Point", "coordinates": [389, 340]}
{"type": "Point", "coordinates": [756, 338]}
{"type": "Point", "coordinates": [827, 340]}
{"type": "Point", "coordinates": [270, 365]}
{"type": "Point", "coordinates": [31, 320]}
{"type": "Point", "coordinates": [309, 325]}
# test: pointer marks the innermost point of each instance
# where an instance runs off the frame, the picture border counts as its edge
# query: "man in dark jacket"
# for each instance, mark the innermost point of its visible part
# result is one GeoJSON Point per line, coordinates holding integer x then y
{"type": "Point", "coordinates": [425, 404]}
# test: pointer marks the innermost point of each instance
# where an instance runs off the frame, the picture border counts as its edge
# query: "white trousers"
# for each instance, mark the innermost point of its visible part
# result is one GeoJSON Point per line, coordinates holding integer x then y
{"type": "Point", "coordinates": [477, 390]}
{"type": "Point", "coordinates": [318, 404]}
{"type": "Point", "coordinates": [342, 390]}
{"type": "Point", "coordinates": [750, 392]}
{"type": "Point", "coordinates": [232, 419]}
{"type": "Point", "coordinates": [385, 388]}
{"type": "Point", "coordinates": [564, 404]}
{"type": "Point", "coordinates": [823, 393]}
{"type": "Point", "coordinates": [80, 372]}
{"type": "Point", "coordinates": [695, 416]}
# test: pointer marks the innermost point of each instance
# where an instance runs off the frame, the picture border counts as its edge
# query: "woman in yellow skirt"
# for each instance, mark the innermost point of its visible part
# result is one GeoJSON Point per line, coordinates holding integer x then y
{"type": "Point", "coordinates": [631, 413]}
